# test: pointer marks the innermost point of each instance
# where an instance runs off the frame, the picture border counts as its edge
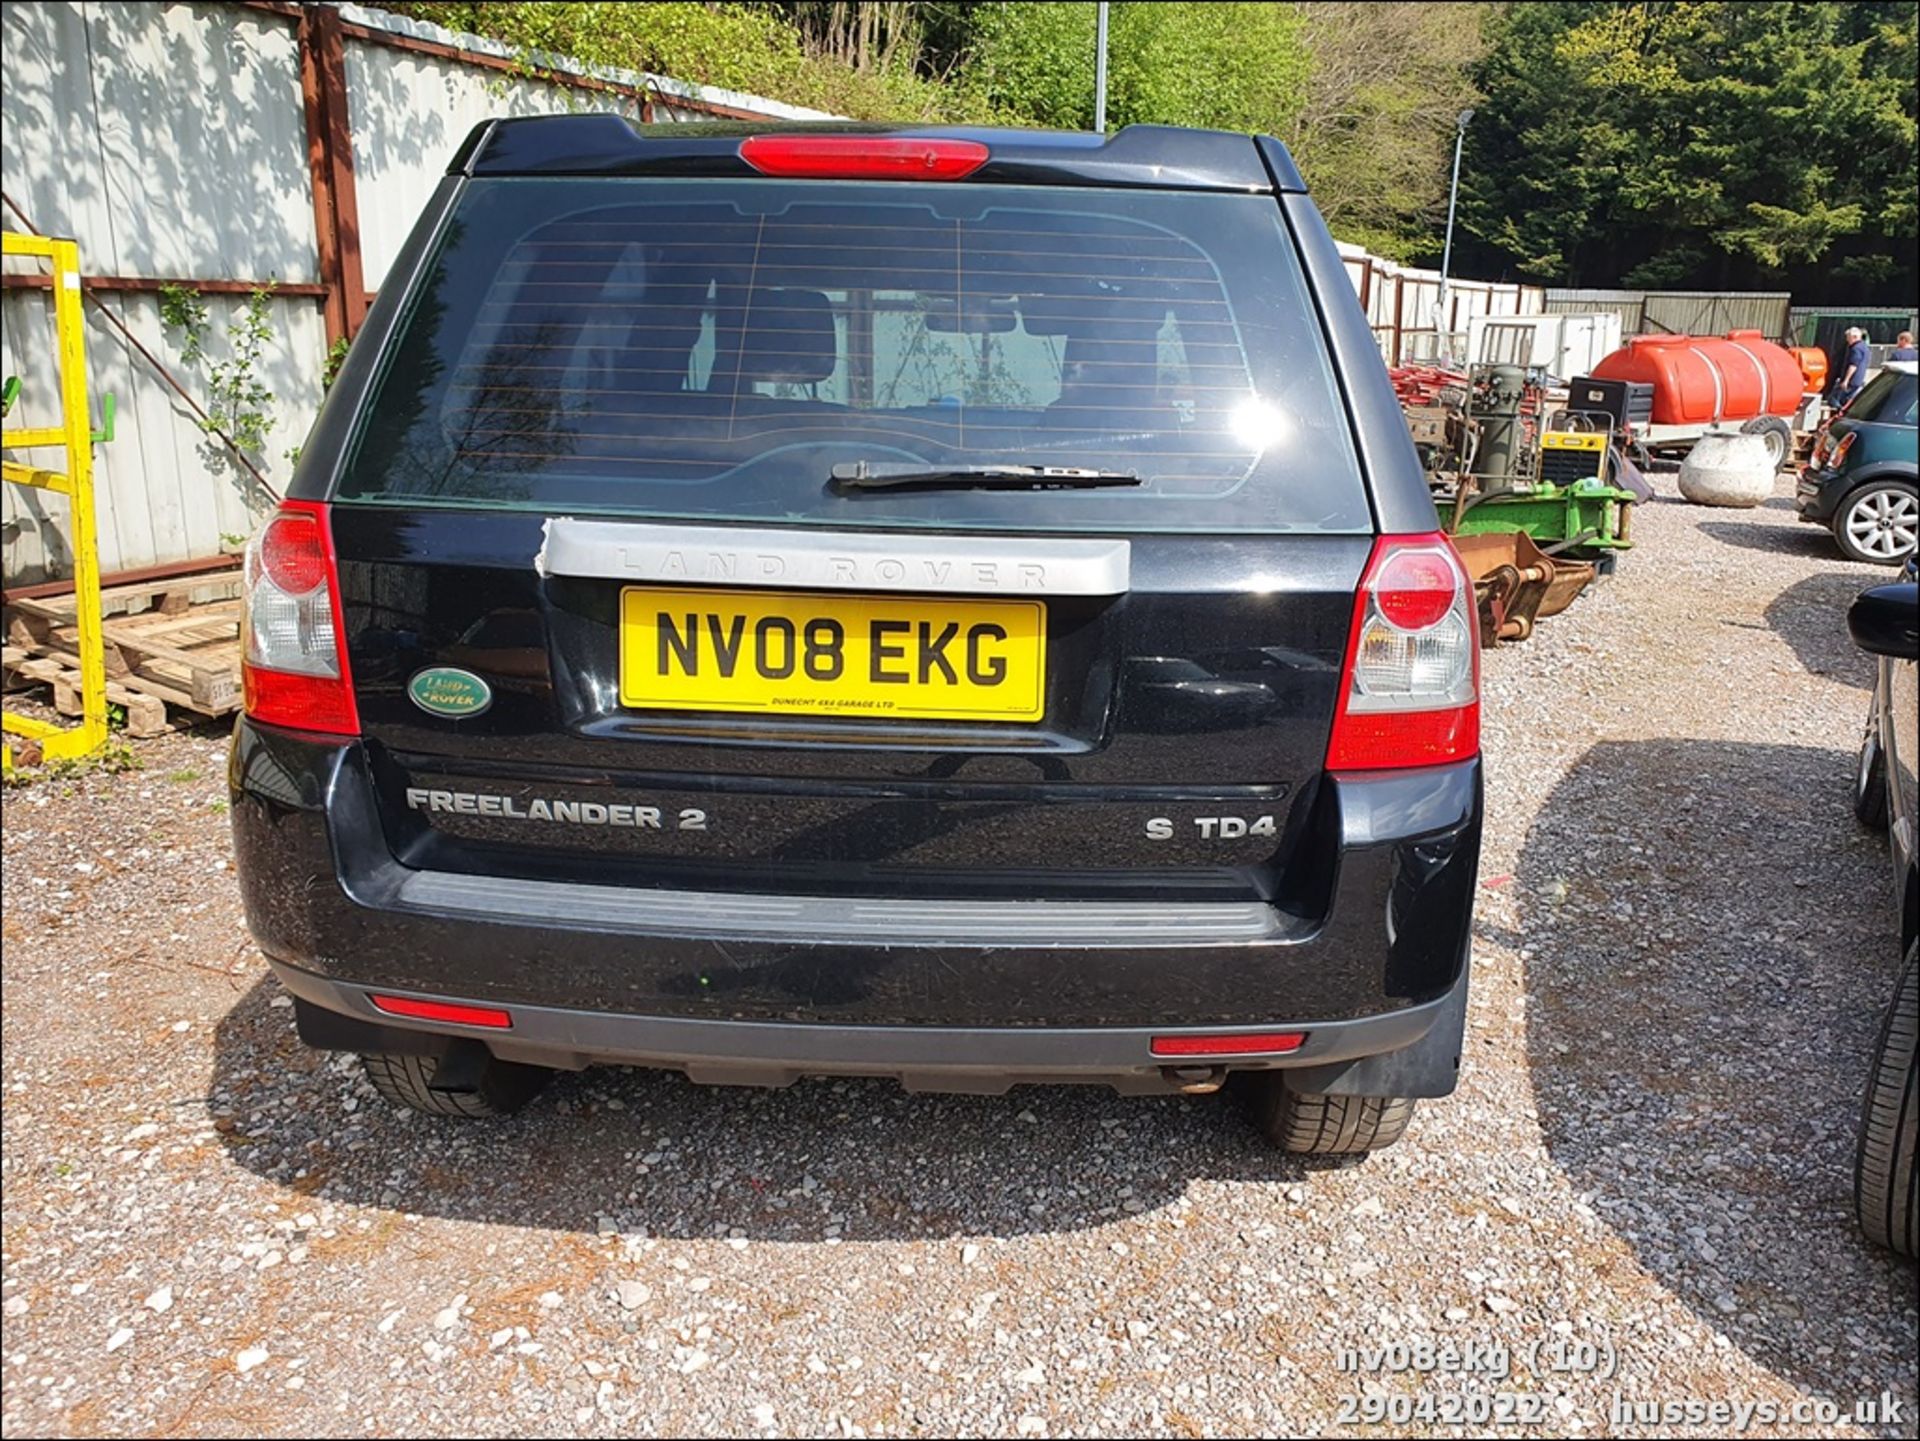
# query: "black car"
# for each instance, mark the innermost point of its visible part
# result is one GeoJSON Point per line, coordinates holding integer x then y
{"type": "Point", "coordinates": [1885, 621]}
{"type": "Point", "coordinates": [755, 603]}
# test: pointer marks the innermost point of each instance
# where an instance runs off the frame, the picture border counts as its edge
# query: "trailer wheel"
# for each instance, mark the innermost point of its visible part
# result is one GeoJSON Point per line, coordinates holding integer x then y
{"type": "Point", "coordinates": [1777, 434]}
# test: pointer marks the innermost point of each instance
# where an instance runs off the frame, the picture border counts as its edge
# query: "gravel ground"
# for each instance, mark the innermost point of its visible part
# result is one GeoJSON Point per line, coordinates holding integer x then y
{"type": "Point", "coordinates": [1683, 949]}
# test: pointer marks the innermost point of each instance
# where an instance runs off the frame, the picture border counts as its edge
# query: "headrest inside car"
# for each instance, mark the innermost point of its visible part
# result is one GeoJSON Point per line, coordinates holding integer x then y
{"type": "Point", "coordinates": [790, 337]}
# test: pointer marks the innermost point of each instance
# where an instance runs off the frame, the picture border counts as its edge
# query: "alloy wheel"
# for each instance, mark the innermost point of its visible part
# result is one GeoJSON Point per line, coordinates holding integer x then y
{"type": "Point", "coordinates": [1884, 524]}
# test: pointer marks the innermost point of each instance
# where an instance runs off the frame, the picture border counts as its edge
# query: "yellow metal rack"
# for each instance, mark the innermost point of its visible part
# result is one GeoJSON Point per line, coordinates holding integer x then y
{"type": "Point", "coordinates": [74, 434]}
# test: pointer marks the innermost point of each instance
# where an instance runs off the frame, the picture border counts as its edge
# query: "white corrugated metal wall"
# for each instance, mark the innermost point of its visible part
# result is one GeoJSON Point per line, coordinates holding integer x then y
{"type": "Point", "coordinates": [170, 141]}
{"type": "Point", "coordinates": [130, 128]}
{"type": "Point", "coordinates": [1403, 303]}
{"type": "Point", "coordinates": [401, 145]}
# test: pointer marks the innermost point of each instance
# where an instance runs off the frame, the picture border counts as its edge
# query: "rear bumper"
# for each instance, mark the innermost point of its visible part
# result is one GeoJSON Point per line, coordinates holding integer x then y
{"type": "Point", "coordinates": [1817, 494]}
{"type": "Point", "coordinates": [986, 1060]}
{"type": "Point", "coordinates": [726, 985]}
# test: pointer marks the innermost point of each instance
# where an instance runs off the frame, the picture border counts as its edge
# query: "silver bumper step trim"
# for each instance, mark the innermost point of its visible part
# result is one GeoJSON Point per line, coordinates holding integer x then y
{"type": "Point", "coordinates": [857, 921]}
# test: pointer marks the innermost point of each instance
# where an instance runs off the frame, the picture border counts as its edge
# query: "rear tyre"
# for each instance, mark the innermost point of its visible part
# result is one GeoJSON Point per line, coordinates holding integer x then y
{"type": "Point", "coordinates": [1312, 1123]}
{"type": "Point", "coordinates": [1886, 1195]}
{"type": "Point", "coordinates": [1870, 779]}
{"type": "Point", "coordinates": [1879, 523]}
{"type": "Point", "coordinates": [1777, 434]}
{"type": "Point", "coordinates": [501, 1088]}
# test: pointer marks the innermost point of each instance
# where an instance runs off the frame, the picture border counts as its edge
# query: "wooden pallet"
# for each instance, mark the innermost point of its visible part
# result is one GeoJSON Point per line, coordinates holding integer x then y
{"type": "Point", "coordinates": [175, 642]}
{"type": "Point", "coordinates": [146, 714]}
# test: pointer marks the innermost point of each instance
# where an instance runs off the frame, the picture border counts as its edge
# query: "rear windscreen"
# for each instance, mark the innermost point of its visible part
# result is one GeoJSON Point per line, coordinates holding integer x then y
{"type": "Point", "coordinates": [712, 349]}
{"type": "Point", "coordinates": [1889, 399]}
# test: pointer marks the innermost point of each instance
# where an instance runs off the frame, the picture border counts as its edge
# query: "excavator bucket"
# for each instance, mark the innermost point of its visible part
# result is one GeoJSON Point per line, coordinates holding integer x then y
{"type": "Point", "coordinates": [1516, 582]}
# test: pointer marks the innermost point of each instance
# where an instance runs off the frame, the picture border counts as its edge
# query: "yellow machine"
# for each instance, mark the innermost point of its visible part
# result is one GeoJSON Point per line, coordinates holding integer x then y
{"type": "Point", "coordinates": [74, 435]}
{"type": "Point", "coordinates": [1570, 455]}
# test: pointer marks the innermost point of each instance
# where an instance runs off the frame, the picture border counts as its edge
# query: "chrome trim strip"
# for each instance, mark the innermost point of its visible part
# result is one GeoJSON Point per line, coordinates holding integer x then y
{"type": "Point", "coordinates": [833, 560]}
{"type": "Point", "coordinates": [849, 921]}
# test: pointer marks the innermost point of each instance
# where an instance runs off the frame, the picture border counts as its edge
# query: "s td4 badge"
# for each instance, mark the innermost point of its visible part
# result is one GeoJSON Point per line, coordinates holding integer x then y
{"type": "Point", "coordinates": [1222, 828]}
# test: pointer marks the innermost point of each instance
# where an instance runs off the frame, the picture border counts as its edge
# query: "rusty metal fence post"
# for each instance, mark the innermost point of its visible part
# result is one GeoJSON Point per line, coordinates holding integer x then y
{"type": "Point", "coordinates": [336, 206]}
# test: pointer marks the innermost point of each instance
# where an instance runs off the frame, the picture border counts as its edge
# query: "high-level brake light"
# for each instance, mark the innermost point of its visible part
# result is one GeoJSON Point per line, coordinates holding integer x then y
{"type": "Point", "coordinates": [862, 157]}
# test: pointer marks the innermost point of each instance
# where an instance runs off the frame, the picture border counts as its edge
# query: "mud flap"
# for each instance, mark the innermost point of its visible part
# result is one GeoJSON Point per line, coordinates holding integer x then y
{"type": "Point", "coordinates": [1429, 1067]}
{"type": "Point", "coordinates": [326, 1030]}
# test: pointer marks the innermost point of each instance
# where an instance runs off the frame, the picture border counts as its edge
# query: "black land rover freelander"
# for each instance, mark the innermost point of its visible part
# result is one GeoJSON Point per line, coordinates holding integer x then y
{"type": "Point", "coordinates": [958, 605]}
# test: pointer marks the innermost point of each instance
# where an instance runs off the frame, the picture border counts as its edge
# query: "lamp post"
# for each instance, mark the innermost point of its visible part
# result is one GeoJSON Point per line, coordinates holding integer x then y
{"type": "Point", "coordinates": [1445, 332]}
{"type": "Point", "coordinates": [1100, 70]}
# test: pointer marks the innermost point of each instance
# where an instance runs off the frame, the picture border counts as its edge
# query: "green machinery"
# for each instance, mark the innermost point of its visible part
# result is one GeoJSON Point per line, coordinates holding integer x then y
{"type": "Point", "coordinates": [1533, 498]}
{"type": "Point", "coordinates": [1548, 476]}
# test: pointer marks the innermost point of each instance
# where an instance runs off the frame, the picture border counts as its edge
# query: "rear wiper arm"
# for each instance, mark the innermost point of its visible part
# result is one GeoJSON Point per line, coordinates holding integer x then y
{"type": "Point", "coordinates": [885, 475]}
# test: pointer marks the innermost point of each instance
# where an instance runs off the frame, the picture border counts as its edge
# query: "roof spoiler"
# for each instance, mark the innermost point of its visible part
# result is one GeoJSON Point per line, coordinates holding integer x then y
{"type": "Point", "coordinates": [1160, 157]}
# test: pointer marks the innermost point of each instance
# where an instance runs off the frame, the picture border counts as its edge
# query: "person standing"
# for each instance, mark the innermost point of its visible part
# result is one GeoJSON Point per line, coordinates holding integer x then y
{"type": "Point", "coordinates": [1903, 347]}
{"type": "Point", "coordinates": [1853, 370]}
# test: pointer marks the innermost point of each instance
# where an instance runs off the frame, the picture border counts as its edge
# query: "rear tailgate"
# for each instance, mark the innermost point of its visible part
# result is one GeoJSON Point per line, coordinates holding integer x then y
{"type": "Point", "coordinates": [1189, 700]}
{"type": "Point", "coordinates": [594, 480]}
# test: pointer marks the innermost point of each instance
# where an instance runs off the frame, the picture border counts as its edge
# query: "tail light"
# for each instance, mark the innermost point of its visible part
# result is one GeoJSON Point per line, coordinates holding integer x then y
{"type": "Point", "coordinates": [294, 665]}
{"type": "Point", "coordinates": [1410, 691]}
{"type": "Point", "coordinates": [1839, 454]}
{"type": "Point", "coordinates": [862, 157]}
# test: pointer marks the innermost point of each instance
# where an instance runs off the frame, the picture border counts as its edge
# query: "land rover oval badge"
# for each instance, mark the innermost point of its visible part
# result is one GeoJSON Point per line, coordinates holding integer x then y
{"type": "Point", "coordinates": [449, 691]}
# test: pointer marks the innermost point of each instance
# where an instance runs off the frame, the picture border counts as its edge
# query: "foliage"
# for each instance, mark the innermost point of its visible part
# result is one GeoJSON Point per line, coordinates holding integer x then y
{"type": "Point", "coordinates": [880, 36]}
{"type": "Point", "coordinates": [1374, 133]}
{"type": "Point", "coordinates": [1649, 142]}
{"type": "Point", "coordinates": [115, 757]}
{"type": "Point", "coordinates": [752, 48]}
{"type": "Point", "coordinates": [1034, 61]}
{"type": "Point", "coordinates": [238, 401]}
{"type": "Point", "coordinates": [331, 362]}
{"type": "Point", "coordinates": [1232, 66]}
{"type": "Point", "coordinates": [1723, 145]}
{"type": "Point", "coordinates": [182, 310]}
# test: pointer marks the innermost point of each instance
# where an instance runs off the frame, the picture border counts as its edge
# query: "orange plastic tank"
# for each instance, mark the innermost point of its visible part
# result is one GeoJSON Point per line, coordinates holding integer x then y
{"type": "Point", "coordinates": [1813, 366]}
{"type": "Point", "coordinates": [1700, 379]}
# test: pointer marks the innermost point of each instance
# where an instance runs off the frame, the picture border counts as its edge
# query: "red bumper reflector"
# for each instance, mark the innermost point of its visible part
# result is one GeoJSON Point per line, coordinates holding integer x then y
{"type": "Point", "coordinates": [862, 157]}
{"type": "Point", "coordinates": [1259, 1043]}
{"type": "Point", "coordinates": [442, 1011]}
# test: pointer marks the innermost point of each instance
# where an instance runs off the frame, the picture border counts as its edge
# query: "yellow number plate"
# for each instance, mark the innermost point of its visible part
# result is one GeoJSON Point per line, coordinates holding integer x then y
{"type": "Point", "coordinates": [827, 654]}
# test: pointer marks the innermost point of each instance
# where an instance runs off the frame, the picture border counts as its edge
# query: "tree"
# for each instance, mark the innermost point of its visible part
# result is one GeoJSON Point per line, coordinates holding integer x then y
{"type": "Point", "coordinates": [854, 60]}
{"type": "Point", "coordinates": [875, 35]}
{"type": "Point", "coordinates": [1231, 66]}
{"type": "Point", "coordinates": [1374, 131]}
{"type": "Point", "coordinates": [1723, 145]}
{"type": "Point", "coordinates": [1033, 60]}
{"type": "Point", "coordinates": [1364, 93]}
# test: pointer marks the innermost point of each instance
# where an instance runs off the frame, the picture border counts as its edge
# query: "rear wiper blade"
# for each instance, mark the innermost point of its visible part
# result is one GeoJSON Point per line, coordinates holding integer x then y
{"type": "Point", "coordinates": [886, 475]}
